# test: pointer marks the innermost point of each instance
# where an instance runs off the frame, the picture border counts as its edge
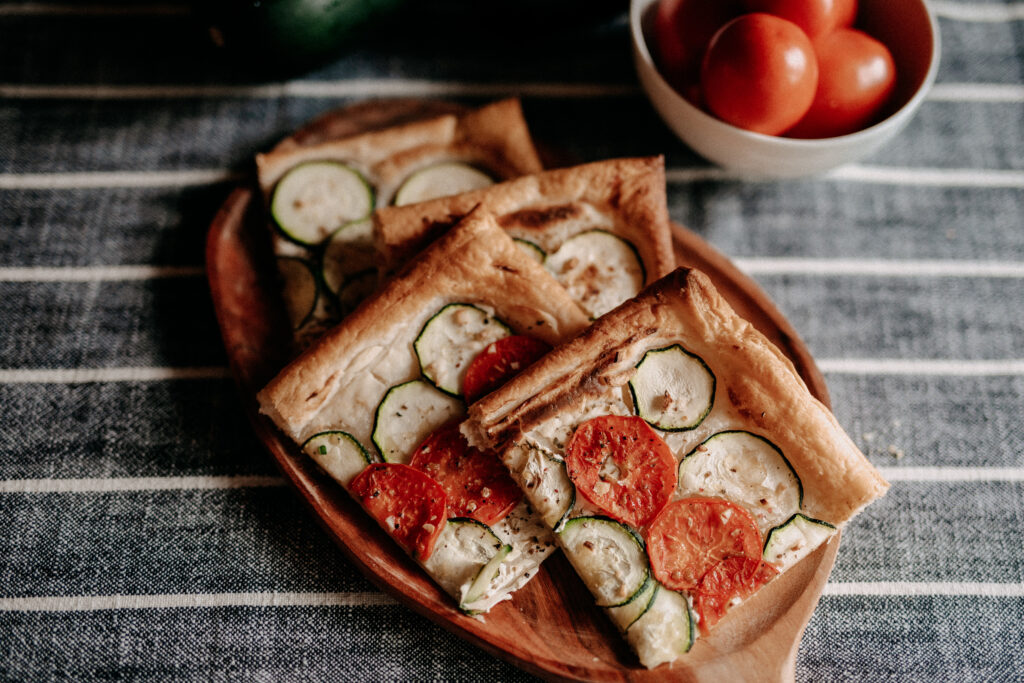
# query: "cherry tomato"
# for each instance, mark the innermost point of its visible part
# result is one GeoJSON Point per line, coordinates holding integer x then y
{"type": "Point", "coordinates": [408, 505]}
{"type": "Point", "coordinates": [682, 31]}
{"type": "Point", "coordinates": [759, 73]}
{"type": "Point", "coordinates": [690, 536]}
{"type": "Point", "coordinates": [857, 77]}
{"type": "Point", "coordinates": [734, 577]}
{"type": "Point", "coordinates": [815, 17]}
{"type": "Point", "coordinates": [622, 466]}
{"type": "Point", "coordinates": [499, 362]}
{"type": "Point", "coordinates": [477, 485]}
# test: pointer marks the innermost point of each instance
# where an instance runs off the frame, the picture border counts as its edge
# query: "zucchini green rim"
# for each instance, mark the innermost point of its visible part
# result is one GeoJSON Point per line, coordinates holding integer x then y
{"type": "Point", "coordinates": [332, 432]}
{"type": "Point", "coordinates": [648, 577]}
{"type": "Point", "coordinates": [792, 518]}
{"type": "Point", "coordinates": [440, 311]}
{"type": "Point", "coordinates": [799, 484]}
{"type": "Point", "coordinates": [318, 284]}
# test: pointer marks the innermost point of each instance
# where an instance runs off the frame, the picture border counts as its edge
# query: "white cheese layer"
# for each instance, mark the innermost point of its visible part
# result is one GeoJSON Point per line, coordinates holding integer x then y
{"type": "Point", "coordinates": [552, 436]}
{"type": "Point", "coordinates": [531, 543]}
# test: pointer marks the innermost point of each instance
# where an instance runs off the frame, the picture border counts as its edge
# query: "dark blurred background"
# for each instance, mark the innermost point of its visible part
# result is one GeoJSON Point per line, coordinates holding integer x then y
{"type": "Point", "coordinates": [289, 36]}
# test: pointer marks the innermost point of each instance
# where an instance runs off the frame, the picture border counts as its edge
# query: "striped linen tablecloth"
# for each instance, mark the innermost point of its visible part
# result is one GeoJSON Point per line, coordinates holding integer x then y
{"type": "Point", "coordinates": [147, 535]}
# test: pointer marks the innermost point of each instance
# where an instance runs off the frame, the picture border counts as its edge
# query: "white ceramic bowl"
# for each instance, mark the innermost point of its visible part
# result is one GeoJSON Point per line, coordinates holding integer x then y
{"type": "Point", "coordinates": [907, 27]}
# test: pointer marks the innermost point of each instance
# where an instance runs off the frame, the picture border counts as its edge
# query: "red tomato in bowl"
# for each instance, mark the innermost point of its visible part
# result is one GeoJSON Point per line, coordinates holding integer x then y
{"type": "Point", "coordinates": [815, 17]}
{"type": "Point", "coordinates": [857, 77]}
{"type": "Point", "coordinates": [759, 73]}
{"type": "Point", "coordinates": [682, 31]}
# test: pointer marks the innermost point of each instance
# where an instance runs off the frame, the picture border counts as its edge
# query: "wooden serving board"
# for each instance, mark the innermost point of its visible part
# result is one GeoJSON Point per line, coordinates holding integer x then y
{"type": "Point", "coordinates": [551, 627]}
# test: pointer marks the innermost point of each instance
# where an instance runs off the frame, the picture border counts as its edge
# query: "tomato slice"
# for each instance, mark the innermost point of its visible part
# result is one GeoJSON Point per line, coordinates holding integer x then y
{"type": "Point", "coordinates": [622, 466]}
{"type": "Point", "coordinates": [407, 504]}
{"type": "Point", "coordinates": [692, 535]}
{"type": "Point", "coordinates": [476, 483]}
{"type": "Point", "coordinates": [499, 362]}
{"type": "Point", "coordinates": [733, 577]}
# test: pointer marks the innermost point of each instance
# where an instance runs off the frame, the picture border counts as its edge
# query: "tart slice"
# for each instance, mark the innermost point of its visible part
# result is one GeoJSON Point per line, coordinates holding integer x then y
{"type": "Point", "coordinates": [377, 400]}
{"type": "Point", "coordinates": [319, 198]}
{"type": "Point", "coordinates": [601, 229]}
{"type": "Point", "coordinates": [693, 464]}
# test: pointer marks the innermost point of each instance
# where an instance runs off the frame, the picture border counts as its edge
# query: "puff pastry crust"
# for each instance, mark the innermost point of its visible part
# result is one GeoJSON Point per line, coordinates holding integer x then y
{"type": "Point", "coordinates": [628, 195]}
{"type": "Point", "coordinates": [343, 381]}
{"type": "Point", "coordinates": [495, 137]}
{"type": "Point", "coordinates": [476, 263]}
{"type": "Point", "coordinates": [758, 388]}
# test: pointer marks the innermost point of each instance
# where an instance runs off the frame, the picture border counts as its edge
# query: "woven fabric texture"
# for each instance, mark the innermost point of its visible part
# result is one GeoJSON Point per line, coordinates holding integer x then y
{"type": "Point", "coordinates": [146, 532]}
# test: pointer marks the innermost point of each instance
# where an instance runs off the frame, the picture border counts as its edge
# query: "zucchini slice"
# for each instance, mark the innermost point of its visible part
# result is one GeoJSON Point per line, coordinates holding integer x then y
{"type": "Point", "coordinates": [316, 198]}
{"type": "Point", "coordinates": [451, 339]}
{"type": "Point", "coordinates": [301, 289]}
{"type": "Point", "coordinates": [339, 453]}
{"type": "Point", "coordinates": [534, 251]}
{"type": "Point", "coordinates": [441, 180]}
{"type": "Point", "coordinates": [599, 269]}
{"type": "Point", "coordinates": [626, 615]}
{"type": "Point", "coordinates": [407, 415]}
{"type": "Point", "coordinates": [349, 252]}
{"type": "Point", "coordinates": [608, 556]}
{"type": "Point", "coordinates": [746, 469]}
{"type": "Point", "coordinates": [464, 548]}
{"type": "Point", "coordinates": [672, 389]}
{"type": "Point", "coordinates": [792, 540]}
{"type": "Point", "coordinates": [548, 487]}
{"type": "Point", "coordinates": [359, 286]}
{"type": "Point", "coordinates": [483, 579]}
{"type": "Point", "coordinates": [664, 631]}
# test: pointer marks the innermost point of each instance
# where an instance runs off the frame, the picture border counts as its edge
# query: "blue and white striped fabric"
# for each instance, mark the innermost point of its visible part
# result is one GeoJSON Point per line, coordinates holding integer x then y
{"type": "Point", "coordinates": [147, 534]}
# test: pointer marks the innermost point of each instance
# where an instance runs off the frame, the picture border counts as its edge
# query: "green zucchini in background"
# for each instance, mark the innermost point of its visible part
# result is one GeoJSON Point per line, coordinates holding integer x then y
{"type": "Point", "coordinates": [291, 33]}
